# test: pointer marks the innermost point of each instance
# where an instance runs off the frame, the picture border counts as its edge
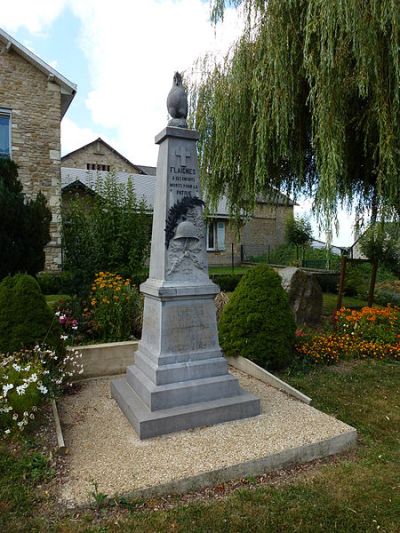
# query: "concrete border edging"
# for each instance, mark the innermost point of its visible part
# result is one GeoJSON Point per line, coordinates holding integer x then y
{"type": "Point", "coordinates": [300, 455]}
{"type": "Point", "coordinates": [250, 368]}
{"type": "Point", "coordinates": [61, 448]}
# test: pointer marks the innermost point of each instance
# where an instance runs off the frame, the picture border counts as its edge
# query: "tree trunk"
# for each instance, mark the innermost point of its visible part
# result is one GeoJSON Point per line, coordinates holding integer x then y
{"type": "Point", "coordinates": [343, 261]}
{"type": "Point", "coordinates": [372, 282]}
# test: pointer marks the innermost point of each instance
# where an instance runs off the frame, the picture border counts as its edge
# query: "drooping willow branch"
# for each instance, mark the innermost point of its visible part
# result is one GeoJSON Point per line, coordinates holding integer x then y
{"type": "Point", "coordinates": [307, 101]}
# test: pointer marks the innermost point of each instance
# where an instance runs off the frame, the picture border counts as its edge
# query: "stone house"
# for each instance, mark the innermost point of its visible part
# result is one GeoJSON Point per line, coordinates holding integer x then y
{"type": "Point", "coordinates": [264, 230]}
{"type": "Point", "coordinates": [99, 155]}
{"type": "Point", "coordinates": [33, 99]}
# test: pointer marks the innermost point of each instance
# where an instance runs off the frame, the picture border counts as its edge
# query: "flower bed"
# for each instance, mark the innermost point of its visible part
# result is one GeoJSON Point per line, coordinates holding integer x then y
{"type": "Point", "coordinates": [368, 333]}
{"type": "Point", "coordinates": [27, 378]}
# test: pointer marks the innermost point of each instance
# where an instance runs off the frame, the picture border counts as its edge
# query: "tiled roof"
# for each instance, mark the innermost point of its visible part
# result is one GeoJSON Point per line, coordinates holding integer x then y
{"type": "Point", "coordinates": [144, 185]}
{"type": "Point", "coordinates": [147, 170]}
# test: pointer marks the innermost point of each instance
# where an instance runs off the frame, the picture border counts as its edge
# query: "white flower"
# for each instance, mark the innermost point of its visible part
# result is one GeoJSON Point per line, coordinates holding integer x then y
{"type": "Point", "coordinates": [33, 378]}
{"type": "Point", "coordinates": [15, 416]}
{"type": "Point", "coordinates": [21, 390]}
{"type": "Point", "coordinates": [34, 408]}
{"type": "Point", "coordinates": [7, 387]}
{"type": "Point", "coordinates": [27, 368]}
{"type": "Point", "coordinates": [16, 367]}
{"type": "Point", "coordinates": [26, 413]}
{"type": "Point", "coordinates": [42, 388]}
{"type": "Point", "coordinates": [20, 424]}
{"type": "Point", "coordinates": [57, 313]}
{"type": "Point", "coordinates": [45, 372]}
{"type": "Point", "coordinates": [63, 337]}
{"type": "Point", "coordinates": [31, 416]}
{"type": "Point", "coordinates": [7, 432]}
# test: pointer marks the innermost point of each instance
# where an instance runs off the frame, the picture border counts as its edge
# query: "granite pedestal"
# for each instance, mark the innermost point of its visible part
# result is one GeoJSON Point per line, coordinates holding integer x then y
{"type": "Point", "coordinates": [180, 378]}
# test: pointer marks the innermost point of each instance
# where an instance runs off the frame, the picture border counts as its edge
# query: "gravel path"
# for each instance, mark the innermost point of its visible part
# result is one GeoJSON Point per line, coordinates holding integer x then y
{"type": "Point", "coordinates": [104, 448]}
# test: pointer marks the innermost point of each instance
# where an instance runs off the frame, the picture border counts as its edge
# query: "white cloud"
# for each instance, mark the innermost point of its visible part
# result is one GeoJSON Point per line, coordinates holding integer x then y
{"type": "Point", "coordinates": [34, 15]}
{"type": "Point", "coordinates": [133, 48]}
{"type": "Point", "coordinates": [74, 136]}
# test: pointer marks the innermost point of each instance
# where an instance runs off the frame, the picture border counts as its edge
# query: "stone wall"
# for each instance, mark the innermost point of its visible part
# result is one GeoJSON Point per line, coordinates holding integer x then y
{"type": "Point", "coordinates": [35, 105]}
{"type": "Point", "coordinates": [264, 231]}
{"type": "Point", "coordinates": [99, 154]}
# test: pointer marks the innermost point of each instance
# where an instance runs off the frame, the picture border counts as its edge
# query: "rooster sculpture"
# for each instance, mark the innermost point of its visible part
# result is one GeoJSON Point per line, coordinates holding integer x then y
{"type": "Point", "coordinates": [177, 103]}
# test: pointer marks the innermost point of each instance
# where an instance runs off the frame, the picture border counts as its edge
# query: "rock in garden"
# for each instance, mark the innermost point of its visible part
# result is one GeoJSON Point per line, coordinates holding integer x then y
{"type": "Point", "coordinates": [305, 295]}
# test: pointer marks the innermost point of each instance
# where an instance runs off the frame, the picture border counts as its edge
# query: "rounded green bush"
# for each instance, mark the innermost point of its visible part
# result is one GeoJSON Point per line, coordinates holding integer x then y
{"type": "Point", "coordinates": [25, 317]}
{"type": "Point", "coordinates": [257, 323]}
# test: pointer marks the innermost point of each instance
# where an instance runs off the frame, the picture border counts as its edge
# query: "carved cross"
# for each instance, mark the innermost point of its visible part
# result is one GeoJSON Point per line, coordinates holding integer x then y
{"type": "Point", "coordinates": [183, 155]}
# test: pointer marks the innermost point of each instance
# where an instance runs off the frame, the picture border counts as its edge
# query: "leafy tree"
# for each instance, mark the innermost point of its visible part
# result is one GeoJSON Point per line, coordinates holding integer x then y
{"type": "Point", "coordinates": [381, 244]}
{"type": "Point", "coordinates": [111, 233]}
{"type": "Point", "coordinates": [307, 101]}
{"type": "Point", "coordinates": [24, 225]}
{"type": "Point", "coordinates": [298, 232]}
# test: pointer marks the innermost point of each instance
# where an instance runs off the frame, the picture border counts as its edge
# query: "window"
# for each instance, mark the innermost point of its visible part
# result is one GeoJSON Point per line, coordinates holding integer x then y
{"type": "Point", "coordinates": [96, 166]}
{"type": "Point", "coordinates": [216, 235]}
{"type": "Point", "coordinates": [5, 133]}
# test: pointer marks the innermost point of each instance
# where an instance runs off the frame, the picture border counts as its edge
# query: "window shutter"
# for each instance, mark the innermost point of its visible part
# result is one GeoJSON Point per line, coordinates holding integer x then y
{"type": "Point", "coordinates": [221, 236]}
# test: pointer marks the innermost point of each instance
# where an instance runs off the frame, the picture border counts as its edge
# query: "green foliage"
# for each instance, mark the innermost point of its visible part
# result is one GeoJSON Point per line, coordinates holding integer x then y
{"type": "Point", "coordinates": [25, 317]}
{"type": "Point", "coordinates": [27, 378]}
{"type": "Point", "coordinates": [307, 101]}
{"type": "Point", "coordinates": [257, 323]}
{"type": "Point", "coordinates": [285, 255]}
{"type": "Point", "coordinates": [115, 307]}
{"type": "Point", "coordinates": [24, 225]}
{"type": "Point", "coordinates": [298, 231]}
{"type": "Point", "coordinates": [381, 242]}
{"type": "Point", "coordinates": [226, 282]}
{"type": "Point", "coordinates": [112, 233]}
{"type": "Point", "coordinates": [67, 282]}
{"type": "Point", "coordinates": [358, 275]}
{"type": "Point", "coordinates": [388, 292]}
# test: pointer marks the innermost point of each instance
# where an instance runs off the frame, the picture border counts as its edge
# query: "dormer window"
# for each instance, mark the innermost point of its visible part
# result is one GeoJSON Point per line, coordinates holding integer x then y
{"type": "Point", "coordinates": [5, 132]}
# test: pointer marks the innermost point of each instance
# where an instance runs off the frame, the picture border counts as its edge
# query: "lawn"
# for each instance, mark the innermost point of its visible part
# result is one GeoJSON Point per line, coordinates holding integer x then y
{"type": "Point", "coordinates": [330, 301]}
{"type": "Point", "coordinates": [357, 492]}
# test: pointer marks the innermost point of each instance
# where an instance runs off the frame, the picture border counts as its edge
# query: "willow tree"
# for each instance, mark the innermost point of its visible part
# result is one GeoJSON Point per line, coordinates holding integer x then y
{"type": "Point", "coordinates": [307, 101]}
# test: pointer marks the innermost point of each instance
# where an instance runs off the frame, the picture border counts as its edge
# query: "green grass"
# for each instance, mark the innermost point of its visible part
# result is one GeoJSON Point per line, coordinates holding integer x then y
{"type": "Point", "coordinates": [356, 493]}
{"type": "Point", "coordinates": [51, 299]}
{"type": "Point", "coordinates": [330, 301]}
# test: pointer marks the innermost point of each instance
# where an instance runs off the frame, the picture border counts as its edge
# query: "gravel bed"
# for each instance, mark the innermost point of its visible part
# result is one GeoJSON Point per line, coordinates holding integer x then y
{"type": "Point", "coordinates": [103, 448]}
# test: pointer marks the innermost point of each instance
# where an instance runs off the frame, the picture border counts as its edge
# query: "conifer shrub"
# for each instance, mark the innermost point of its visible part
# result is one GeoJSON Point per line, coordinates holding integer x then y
{"type": "Point", "coordinates": [257, 323]}
{"type": "Point", "coordinates": [25, 317]}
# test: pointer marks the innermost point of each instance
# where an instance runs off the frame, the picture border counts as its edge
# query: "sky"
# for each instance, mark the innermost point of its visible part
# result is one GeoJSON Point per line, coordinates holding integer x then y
{"type": "Point", "coordinates": [122, 55]}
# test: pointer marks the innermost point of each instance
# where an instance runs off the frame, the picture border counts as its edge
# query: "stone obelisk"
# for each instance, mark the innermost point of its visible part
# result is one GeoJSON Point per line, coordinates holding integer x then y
{"type": "Point", "coordinates": [180, 378]}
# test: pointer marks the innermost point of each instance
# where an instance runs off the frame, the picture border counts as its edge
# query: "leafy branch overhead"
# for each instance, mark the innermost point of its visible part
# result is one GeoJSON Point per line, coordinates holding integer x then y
{"type": "Point", "coordinates": [307, 100]}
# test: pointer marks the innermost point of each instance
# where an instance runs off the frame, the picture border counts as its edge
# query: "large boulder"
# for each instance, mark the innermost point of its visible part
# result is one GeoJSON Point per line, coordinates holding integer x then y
{"type": "Point", "coordinates": [305, 295]}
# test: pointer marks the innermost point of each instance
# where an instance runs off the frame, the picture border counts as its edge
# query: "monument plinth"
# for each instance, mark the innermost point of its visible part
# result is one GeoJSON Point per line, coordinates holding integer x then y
{"type": "Point", "coordinates": [180, 378]}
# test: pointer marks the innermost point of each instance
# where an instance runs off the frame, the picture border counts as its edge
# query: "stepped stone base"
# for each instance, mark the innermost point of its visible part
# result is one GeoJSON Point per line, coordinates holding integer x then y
{"type": "Point", "coordinates": [149, 423]}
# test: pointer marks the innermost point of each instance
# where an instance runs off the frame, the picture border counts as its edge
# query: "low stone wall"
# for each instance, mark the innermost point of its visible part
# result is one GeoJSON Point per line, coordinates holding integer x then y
{"type": "Point", "coordinates": [113, 358]}
{"type": "Point", "coordinates": [106, 359]}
